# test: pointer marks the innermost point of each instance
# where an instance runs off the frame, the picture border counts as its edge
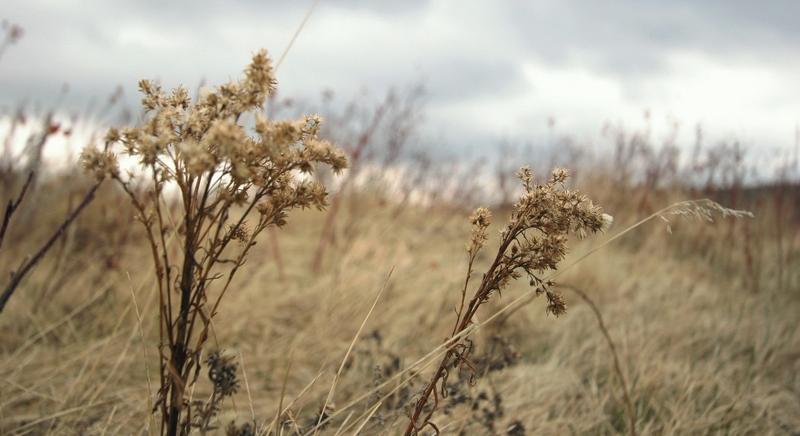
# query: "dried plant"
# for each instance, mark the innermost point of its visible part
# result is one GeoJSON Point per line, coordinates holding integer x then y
{"type": "Point", "coordinates": [29, 262]}
{"type": "Point", "coordinates": [222, 374]}
{"type": "Point", "coordinates": [231, 185]}
{"type": "Point", "coordinates": [12, 206]}
{"type": "Point", "coordinates": [630, 409]}
{"type": "Point", "coordinates": [28, 165]}
{"type": "Point", "coordinates": [246, 429]}
{"type": "Point", "coordinates": [533, 242]}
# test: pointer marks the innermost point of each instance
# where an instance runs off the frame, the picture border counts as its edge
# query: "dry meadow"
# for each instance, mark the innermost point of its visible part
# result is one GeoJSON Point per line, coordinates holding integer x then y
{"type": "Point", "coordinates": [678, 318]}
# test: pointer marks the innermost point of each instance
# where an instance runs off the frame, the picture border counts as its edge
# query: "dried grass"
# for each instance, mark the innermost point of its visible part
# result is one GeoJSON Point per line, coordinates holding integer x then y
{"type": "Point", "coordinates": [697, 324]}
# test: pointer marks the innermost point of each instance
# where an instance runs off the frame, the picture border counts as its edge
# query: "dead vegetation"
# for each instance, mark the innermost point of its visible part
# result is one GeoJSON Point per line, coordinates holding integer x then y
{"type": "Point", "coordinates": [110, 333]}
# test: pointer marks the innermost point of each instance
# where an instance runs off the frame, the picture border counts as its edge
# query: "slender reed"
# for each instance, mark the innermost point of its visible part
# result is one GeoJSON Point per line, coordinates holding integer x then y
{"type": "Point", "coordinates": [631, 410]}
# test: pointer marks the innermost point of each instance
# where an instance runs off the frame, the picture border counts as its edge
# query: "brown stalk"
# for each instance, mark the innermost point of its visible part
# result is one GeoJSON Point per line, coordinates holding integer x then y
{"type": "Point", "coordinates": [12, 207]}
{"type": "Point", "coordinates": [224, 175]}
{"type": "Point", "coordinates": [29, 263]}
{"type": "Point", "coordinates": [533, 242]}
{"type": "Point", "coordinates": [462, 323]}
{"type": "Point", "coordinates": [631, 410]}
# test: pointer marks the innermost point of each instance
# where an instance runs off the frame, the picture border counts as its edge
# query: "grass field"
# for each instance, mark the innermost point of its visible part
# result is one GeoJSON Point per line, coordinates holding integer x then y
{"type": "Point", "coordinates": [368, 291]}
{"type": "Point", "coordinates": [702, 349]}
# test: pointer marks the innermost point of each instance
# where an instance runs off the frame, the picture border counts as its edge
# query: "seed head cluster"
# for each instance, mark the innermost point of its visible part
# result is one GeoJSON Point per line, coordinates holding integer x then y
{"type": "Point", "coordinates": [185, 139]}
{"type": "Point", "coordinates": [532, 243]}
{"type": "Point", "coordinates": [222, 373]}
{"type": "Point", "coordinates": [535, 238]}
{"type": "Point", "coordinates": [480, 219]}
{"type": "Point", "coordinates": [101, 164]}
{"type": "Point", "coordinates": [234, 181]}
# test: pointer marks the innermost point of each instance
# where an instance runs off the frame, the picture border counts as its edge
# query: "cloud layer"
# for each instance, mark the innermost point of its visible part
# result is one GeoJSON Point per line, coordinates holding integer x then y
{"type": "Point", "coordinates": [492, 70]}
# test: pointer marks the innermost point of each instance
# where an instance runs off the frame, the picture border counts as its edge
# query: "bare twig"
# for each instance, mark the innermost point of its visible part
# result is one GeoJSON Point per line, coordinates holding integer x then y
{"type": "Point", "coordinates": [28, 264]}
{"type": "Point", "coordinates": [12, 207]}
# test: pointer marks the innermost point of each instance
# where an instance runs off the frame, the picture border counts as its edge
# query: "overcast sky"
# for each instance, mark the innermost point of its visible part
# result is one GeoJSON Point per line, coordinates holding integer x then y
{"type": "Point", "coordinates": [493, 70]}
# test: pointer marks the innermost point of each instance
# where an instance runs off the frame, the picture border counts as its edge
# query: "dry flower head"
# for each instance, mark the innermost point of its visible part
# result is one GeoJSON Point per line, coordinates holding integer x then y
{"type": "Point", "coordinates": [233, 182]}
{"type": "Point", "coordinates": [533, 242]}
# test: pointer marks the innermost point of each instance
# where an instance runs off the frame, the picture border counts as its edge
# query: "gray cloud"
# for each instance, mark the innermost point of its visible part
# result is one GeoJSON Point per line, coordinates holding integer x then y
{"type": "Point", "coordinates": [508, 62]}
{"type": "Point", "coordinates": [631, 36]}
